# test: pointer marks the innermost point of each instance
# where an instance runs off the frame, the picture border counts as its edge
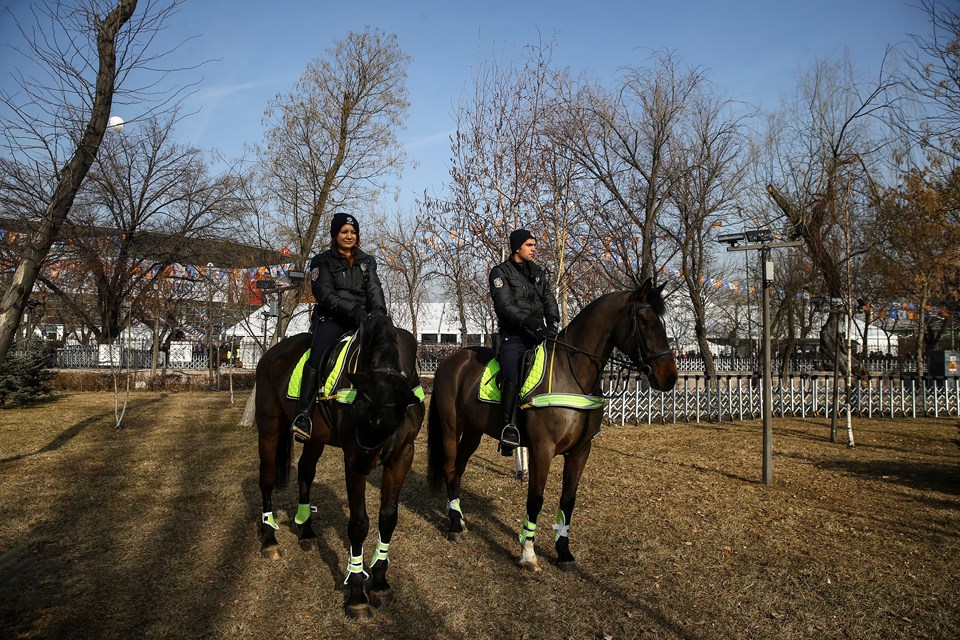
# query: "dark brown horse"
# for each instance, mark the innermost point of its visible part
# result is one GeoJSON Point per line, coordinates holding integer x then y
{"type": "Point", "coordinates": [379, 427]}
{"type": "Point", "coordinates": [629, 321]}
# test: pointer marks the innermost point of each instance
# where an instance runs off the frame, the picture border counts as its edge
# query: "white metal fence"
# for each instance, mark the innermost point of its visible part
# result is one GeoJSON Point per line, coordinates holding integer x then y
{"type": "Point", "coordinates": [697, 398]}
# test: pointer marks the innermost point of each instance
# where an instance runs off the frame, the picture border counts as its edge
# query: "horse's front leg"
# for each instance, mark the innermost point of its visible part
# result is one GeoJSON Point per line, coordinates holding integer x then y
{"type": "Point", "coordinates": [572, 470]}
{"type": "Point", "coordinates": [356, 604]}
{"type": "Point", "coordinates": [539, 468]}
{"type": "Point", "coordinates": [394, 474]}
{"type": "Point", "coordinates": [306, 472]}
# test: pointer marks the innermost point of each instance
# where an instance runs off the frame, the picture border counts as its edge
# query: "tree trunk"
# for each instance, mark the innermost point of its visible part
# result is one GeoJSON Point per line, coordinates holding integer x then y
{"type": "Point", "coordinates": [71, 177]}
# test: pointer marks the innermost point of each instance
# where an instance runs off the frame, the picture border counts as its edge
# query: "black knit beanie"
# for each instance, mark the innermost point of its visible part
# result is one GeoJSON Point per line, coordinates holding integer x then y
{"type": "Point", "coordinates": [340, 219]}
{"type": "Point", "coordinates": [517, 238]}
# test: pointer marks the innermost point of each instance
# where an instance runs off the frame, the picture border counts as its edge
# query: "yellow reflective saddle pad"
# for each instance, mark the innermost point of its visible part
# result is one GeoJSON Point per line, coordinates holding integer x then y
{"type": "Point", "coordinates": [489, 392]}
{"type": "Point", "coordinates": [344, 356]}
{"type": "Point", "coordinates": [342, 353]}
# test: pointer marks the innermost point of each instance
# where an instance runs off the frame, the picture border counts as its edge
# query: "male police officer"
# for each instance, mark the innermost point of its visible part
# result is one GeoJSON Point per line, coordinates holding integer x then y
{"type": "Point", "coordinates": [528, 314]}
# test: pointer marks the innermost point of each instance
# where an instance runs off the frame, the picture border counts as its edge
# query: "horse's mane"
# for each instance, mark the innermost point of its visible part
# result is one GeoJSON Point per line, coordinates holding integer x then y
{"type": "Point", "coordinates": [654, 299]}
{"type": "Point", "coordinates": [380, 342]}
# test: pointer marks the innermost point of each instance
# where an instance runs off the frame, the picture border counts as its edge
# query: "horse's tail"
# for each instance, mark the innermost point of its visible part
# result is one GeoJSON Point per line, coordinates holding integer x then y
{"type": "Point", "coordinates": [436, 457]}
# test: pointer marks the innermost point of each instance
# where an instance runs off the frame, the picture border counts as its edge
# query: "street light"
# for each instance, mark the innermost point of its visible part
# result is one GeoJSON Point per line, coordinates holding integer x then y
{"type": "Point", "coordinates": [762, 240]}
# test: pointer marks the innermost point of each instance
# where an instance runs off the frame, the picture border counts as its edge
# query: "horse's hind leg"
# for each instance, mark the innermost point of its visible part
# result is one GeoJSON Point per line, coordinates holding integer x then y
{"type": "Point", "coordinates": [269, 547]}
{"type": "Point", "coordinates": [467, 446]}
{"type": "Point", "coordinates": [381, 594]}
{"type": "Point", "coordinates": [306, 472]}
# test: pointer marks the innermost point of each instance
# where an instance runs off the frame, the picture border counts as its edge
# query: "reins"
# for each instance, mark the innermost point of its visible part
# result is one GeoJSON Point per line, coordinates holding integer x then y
{"type": "Point", "coordinates": [639, 363]}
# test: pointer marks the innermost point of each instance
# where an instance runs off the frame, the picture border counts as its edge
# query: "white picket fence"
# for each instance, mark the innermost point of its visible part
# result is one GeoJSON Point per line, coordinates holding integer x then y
{"type": "Point", "coordinates": [697, 398]}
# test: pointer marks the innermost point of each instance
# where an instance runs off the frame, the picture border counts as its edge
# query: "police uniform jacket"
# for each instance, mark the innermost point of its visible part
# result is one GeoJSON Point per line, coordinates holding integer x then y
{"type": "Point", "coordinates": [339, 287]}
{"type": "Point", "coordinates": [518, 296]}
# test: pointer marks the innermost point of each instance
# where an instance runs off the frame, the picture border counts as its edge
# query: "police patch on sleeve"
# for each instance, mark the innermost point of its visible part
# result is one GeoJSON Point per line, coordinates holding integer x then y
{"type": "Point", "coordinates": [314, 273]}
{"type": "Point", "coordinates": [497, 283]}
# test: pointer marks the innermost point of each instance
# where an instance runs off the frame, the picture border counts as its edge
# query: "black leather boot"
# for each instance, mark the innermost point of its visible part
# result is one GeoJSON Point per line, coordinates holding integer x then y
{"type": "Point", "coordinates": [302, 425]}
{"type": "Point", "coordinates": [510, 436]}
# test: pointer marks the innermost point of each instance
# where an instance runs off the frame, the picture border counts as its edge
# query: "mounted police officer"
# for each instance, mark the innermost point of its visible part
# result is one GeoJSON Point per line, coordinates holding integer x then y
{"type": "Point", "coordinates": [528, 314]}
{"type": "Point", "coordinates": [347, 290]}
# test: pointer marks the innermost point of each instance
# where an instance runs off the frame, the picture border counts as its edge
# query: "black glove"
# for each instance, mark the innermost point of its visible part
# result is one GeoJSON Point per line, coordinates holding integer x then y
{"type": "Point", "coordinates": [358, 314]}
{"type": "Point", "coordinates": [541, 334]}
{"type": "Point", "coordinates": [551, 331]}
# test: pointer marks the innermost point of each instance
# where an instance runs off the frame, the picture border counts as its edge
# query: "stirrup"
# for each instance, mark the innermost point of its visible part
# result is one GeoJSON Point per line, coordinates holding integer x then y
{"type": "Point", "coordinates": [302, 427]}
{"type": "Point", "coordinates": [509, 440]}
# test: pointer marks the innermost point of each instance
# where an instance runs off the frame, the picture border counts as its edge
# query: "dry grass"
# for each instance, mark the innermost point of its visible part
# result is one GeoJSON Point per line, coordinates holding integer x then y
{"type": "Point", "coordinates": [150, 532]}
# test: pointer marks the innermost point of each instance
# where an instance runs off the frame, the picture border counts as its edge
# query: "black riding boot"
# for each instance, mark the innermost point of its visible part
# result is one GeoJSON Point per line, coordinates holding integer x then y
{"type": "Point", "coordinates": [302, 425]}
{"type": "Point", "coordinates": [510, 436]}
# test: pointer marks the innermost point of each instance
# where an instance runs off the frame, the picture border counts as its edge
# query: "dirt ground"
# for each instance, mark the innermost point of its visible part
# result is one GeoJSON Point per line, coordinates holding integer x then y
{"type": "Point", "coordinates": [150, 531]}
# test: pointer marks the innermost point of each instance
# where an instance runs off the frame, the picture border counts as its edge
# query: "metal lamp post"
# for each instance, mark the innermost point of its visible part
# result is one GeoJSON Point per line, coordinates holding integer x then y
{"type": "Point", "coordinates": [762, 240]}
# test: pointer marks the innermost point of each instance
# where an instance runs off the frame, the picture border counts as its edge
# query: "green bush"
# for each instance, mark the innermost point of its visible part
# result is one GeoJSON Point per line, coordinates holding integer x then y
{"type": "Point", "coordinates": [24, 375]}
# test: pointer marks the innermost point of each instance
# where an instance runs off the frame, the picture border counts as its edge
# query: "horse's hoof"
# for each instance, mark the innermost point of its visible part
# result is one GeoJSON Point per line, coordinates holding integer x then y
{"type": "Point", "coordinates": [381, 598]}
{"type": "Point", "coordinates": [309, 544]}
{"type": "Point", "coordinates": [358, 611]}
{"type": "Point", "coordinates": [568, 566]}
{"type": "Point", "coordinates": [532, 567]}
{"type": "Point", "coordinates": [271, 553]}
{"type": "Point", "coordinates": [455, 536]}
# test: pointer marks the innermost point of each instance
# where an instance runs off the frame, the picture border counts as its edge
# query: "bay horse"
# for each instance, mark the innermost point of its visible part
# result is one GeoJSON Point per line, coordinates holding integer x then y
{"type": "Point", "coordinates": [379, 427]}
{"type": "Point", "coordinates": [630, 321]}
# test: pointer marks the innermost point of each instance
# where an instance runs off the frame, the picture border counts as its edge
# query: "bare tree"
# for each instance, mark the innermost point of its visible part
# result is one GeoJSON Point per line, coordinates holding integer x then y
{"type": "Point", "coordinates": [622, 138]}
{"type": "Point", "coordinates": [145, 201]}
{"type": "Point", "coordinates": [83, 56]}
{"type": "Point", "coordinates": [934, 81]}
{"type": "Point", "coordinates": [406, 271]}
{"type": "Point", "coordinates": [710, 156]}
{"type": "Point", "coordinates": [332, 141]}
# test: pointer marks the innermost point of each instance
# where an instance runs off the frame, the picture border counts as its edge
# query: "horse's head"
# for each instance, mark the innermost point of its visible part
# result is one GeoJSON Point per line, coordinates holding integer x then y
{"type": "Point", "coordinates": [644, 339]}
{"type": "Point", "coordinates": [379, 408]}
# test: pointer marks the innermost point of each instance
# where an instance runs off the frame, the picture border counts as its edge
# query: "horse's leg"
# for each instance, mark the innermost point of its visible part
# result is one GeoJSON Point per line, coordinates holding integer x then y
{"type": "Point", "coordinates": [572, 470]}
{"type": "Point", "coordinates": [465, 448]}
{"type": "Point", "coordinates": [268, 442]}
{"type": "Point", "coordinates": [356, 604]}
{"type": "Point", "coordinates": [306, 472]}
{"type": "Point", "coordinates": [539, 468]}
{"type": "Point", "coordinates": [394, 474]}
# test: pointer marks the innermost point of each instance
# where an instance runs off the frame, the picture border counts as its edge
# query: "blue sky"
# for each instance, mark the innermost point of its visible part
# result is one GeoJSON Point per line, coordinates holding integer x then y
{"type": "Point", "coordinates": [754, 50]}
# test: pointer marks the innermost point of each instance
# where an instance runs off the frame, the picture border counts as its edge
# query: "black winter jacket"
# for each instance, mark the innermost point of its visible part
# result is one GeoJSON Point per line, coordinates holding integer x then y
{"type": "Point", "coordinates": [338, 287]}
{"type": "Point", "coordinates": [517, 297]}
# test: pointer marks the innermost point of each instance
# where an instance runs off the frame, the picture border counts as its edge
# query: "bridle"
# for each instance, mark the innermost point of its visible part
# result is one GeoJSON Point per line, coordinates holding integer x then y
{"type": "Point", "coordinates": [365, 449]}
{"type": "Point", "coordinates": [639, 360]}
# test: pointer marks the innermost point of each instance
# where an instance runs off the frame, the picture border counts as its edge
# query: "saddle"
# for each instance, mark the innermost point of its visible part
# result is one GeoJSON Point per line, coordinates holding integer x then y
{"type": "Point", "coordinates": [534, 369]}
{"type": "Point", "coordinates": [344, 355]}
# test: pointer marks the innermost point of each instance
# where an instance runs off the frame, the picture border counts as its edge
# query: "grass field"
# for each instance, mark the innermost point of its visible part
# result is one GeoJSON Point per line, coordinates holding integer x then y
{"type": "Point", "coordinates": [150, 531]}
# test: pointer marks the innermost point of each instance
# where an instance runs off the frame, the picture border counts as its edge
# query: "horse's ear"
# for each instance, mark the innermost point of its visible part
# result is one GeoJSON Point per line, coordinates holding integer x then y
{"type": "Point", "coordinates": [662, 286]}
{"type": "Point", "coordinates": [640, 293]}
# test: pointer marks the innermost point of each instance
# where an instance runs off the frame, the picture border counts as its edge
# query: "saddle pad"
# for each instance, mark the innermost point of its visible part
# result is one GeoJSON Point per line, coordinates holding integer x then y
{"type": "Point", "coordinates": [338, 356]}
{"type": "Point", "coordinates": [344, 395]}
{"type": "Point", "coordinates": [489, 392]}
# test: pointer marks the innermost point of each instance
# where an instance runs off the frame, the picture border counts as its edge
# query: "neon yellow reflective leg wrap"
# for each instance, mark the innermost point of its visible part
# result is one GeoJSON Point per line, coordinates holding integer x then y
{"type": "Point", "coordinates": [355, 565]}
{"type": "Point", "coordinates": [528, 532]}
{"type": "Point", "coordinates": [381, 553]}
{"type": "Point", "coordinates": [455, 505]}
{"type": "Point", "coordinates": [303, 513]}
{"type": "Point", "coordinates": [562, 527]}
{"type": "Point", "coordinates": [267, 519]}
